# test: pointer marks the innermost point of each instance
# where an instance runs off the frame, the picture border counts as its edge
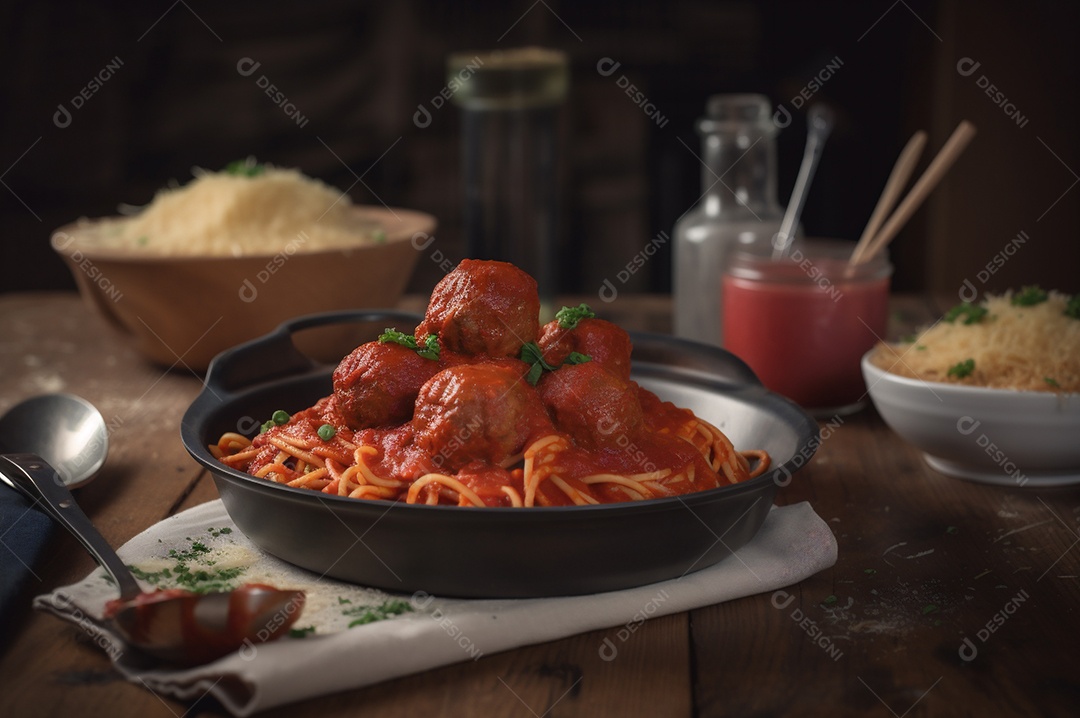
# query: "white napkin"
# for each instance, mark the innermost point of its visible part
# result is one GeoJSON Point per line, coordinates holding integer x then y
{"type": "Point", "coordinates": [793, 543]}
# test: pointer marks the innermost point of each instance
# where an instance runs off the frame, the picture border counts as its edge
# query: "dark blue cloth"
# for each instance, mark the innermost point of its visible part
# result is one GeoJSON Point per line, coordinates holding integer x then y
{"type": "Point", "coordinates": [24, 533]}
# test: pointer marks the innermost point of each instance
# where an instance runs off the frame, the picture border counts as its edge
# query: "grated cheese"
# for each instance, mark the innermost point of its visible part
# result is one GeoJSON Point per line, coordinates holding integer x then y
{"type": "Point", "coordinates": [1032, 348]}
{"type": "Point", "coordinates": [223, 214]}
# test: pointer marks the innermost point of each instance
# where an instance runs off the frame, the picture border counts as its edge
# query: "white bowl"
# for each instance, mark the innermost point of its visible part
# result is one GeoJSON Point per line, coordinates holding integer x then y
{"type": "Point", "coordinates": [996, 436]}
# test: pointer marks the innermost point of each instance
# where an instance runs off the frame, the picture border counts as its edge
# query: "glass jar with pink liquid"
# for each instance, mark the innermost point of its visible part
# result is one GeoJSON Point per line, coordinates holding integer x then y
{"type": "Point", "coordinates": [802, 322]}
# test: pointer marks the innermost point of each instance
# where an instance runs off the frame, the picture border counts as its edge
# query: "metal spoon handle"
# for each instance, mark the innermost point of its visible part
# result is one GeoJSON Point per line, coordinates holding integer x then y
{"type": "Point", "coordinates": [33, 476]}
{"type": "Point", "coordinates": [821, 122]}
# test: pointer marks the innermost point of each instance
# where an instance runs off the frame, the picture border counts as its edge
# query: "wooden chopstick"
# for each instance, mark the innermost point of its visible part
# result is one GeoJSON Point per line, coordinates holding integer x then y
{"type": "Point", "coordinates": [934, 173]}
{"type": "Point", "coordinates": [898, 178]}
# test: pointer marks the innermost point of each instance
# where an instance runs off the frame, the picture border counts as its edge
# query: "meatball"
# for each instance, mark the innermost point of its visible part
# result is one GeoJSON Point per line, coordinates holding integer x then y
{"type": "Point", "coordinates": [483, 307]}
{"type": "Point", "coordinates": [596, 407]}
{"type": "Point", "coordinates": [377, 384]}
{"type": "Point", "coordinates": [607, 344]}
{"type": "Point", "coordinates": [476, 412]}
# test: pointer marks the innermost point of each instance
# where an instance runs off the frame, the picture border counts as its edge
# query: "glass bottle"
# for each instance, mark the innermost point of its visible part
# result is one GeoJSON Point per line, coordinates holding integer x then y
{"type": "Point", "coordinates": [738, 209]}
{"type": "Point", "coordinates": [511, 104]}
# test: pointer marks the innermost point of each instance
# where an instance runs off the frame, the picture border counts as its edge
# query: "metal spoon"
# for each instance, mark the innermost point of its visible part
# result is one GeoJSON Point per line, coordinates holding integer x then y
{"type": "Point", "coordinates": [65, 429]}
{"type": "Point", "coordinates": [819, 124]}
{"type": "Point", "coordinates": [175, 626]}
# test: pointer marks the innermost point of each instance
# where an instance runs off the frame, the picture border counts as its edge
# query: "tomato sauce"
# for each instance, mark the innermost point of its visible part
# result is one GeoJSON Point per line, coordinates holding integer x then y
{"type": "Point", "coordinates": [466, 415]}
{"type": "Point", "coordinates": [803, 326]}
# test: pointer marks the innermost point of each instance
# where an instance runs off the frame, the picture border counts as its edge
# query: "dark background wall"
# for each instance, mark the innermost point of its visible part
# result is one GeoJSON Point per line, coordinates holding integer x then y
{"type": "Point", "coordinates": [356, 73]}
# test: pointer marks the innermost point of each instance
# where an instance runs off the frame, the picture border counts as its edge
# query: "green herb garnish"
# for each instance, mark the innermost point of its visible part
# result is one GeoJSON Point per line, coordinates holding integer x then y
{"type": "Point", "coordinates": [534, 357]}
{"type": "Point", "coordinates": [393, 336]}
{"type": "Point", "coordinates": [301, 632]}
{"type": "Point", "coordinates": [247, 167]}
{"type": "Point", "coordinates": [1029, 296]}
{"type": "Point", "coordinates": [193, 570]}
{"type": "Point", "coordinates": [429, 349]}
{"type": "Point", "coordinates": [971, 313]}
{"type": "Point", "coordinates": [962, 369]}
{"type": "Point", "coordinates": [568, 317]}
{"type": "Point", "coordinates": [829, 600]}
{"type": "Point", "coordinates": [1072, 307]}
{"type": "Point", "coordinates": [326, 432]}
{"type": "Point", "coordinates": [378, 236]}
{"type": "Point", "coordinates": [929, 608]}
{"type": "Point", "coordinates": [370, 614]}
{"type": "Point", "coordinates": [1052, 382]}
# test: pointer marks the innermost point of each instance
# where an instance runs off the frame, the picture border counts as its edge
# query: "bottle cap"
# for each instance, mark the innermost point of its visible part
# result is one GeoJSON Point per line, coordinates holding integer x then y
{"type": "Point", "coordinates": [511, 79]}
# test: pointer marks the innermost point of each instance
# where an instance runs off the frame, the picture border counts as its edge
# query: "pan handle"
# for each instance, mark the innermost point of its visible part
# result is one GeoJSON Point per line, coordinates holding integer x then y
{"type": "Point", "coordinates": [274, 355]}
{"type": "Point", "coordinates": [691, 357]}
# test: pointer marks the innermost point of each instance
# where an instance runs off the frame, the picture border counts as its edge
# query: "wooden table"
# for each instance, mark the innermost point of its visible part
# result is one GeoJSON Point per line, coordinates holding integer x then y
{"type": "Point", "coordinates": [926, 563]}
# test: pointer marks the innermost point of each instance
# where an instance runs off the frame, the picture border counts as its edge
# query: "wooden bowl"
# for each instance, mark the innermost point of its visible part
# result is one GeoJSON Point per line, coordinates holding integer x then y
{"type": "Point", "coordinates": [183, 310]}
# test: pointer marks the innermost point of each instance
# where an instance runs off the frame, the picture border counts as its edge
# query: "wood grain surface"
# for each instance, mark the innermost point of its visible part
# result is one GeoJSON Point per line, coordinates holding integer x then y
{"type": "Point", "coordinates": [948, 598]}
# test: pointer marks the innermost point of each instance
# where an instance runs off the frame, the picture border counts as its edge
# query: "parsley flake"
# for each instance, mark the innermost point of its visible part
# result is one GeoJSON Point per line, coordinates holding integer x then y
{"type": "Point", "coordinates": [245, 168]}
{"type": "Point", "coordinates": [962, 369]}
{"type": "Point", "coordinates": [431, 348]}
{"type": "Point", "coordinates": [393, 336]}
{"type": "Point", "coordinates": [1030, 296]}
{"type": "Point", "coordinates": [370, 614]}
{"type": "Point", "coordinates": [532, 355]}
{"type": "Point", "coordinates": [971, 313]}
{"type": "Point", "coordinates": [192, 569]}
{"type": "Point", "coordinates": [428, 350]}
{"type": "Point", "coordinates": [568, 317]}
{"type": "Point", "coordinates": [1072, 307]}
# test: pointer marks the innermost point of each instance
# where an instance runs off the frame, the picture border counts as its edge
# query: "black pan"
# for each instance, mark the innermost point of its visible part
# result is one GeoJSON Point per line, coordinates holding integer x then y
{"type": "Point", "coordinates": [497, 552]}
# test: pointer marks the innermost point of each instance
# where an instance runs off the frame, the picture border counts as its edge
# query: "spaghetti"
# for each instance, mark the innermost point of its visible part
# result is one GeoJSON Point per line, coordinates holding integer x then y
{"type": "Point", "coordinates": [462, 417]}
